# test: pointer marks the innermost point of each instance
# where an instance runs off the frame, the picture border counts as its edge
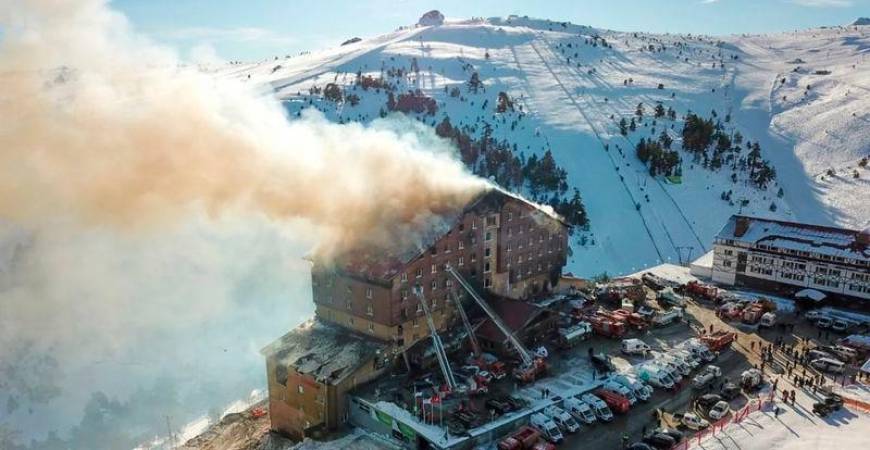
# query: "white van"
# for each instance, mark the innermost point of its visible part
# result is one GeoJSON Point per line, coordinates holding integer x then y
{"type": "Point", "coordinates": [599, 407]}
{"type": "Point", "coordinates": [613, 386]}
{"type": "Point", "coordinates": [673, 364]}
{"type": "Point", "coordinates": [687, 356]}
{"type": "Point", "coordinates": [549, 430]}
{"type": "Point", "coordinates": [641, 391]}
{"type": "Point", "coordinates": [634, 347]}
{"type": "Point", "coordinates": [699, 349]}
{"type": "Point", "coordinates": [564, 420]}
{"type": "Point", "coordinates": [767, 320]}
{"type": "Point", "coordinates": [828, 365]}
{"type": "Point", "coordinates": [655, 376]}
{"type": "Point", "coordinates": [579, 409]}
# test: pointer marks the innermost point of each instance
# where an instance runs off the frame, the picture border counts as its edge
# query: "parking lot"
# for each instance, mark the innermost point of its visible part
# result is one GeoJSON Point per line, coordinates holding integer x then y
{"type": "Point", "coordinates": [571, 373]}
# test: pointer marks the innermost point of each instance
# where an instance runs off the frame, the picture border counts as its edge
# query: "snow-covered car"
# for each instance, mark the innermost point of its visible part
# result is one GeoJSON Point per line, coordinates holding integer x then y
{"type": "Point", "coordinates": [824, 322]}
{"type": "Point", "coordinates": [719, 410]}
{"type": "Point", "coordinates": [694, 421]}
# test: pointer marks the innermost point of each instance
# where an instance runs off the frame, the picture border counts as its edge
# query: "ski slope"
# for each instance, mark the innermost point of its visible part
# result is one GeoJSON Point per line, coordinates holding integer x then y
{"type": "Point", "coordinates": [572, 95]}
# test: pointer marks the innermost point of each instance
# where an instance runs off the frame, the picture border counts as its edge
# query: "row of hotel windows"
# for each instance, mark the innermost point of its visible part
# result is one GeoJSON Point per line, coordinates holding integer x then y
{"type": "Point", "coordinates": [801, 253]}
{"type": "Point", "coordinates": [823, 277]}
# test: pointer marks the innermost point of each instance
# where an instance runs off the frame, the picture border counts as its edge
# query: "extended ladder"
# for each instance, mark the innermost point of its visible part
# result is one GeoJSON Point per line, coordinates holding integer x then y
{"type": "Point", "coordinates": [524, 354]}
{"type": "Point", "coordinates": [437, 345]}
{"type": "Point", "coordinates": [475, 347]}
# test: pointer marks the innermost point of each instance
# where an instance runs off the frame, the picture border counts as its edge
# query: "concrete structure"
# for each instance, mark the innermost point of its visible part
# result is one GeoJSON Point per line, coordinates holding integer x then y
{"type": "Point", "coordinates": [786, 257]}
{"type": "Point", "coordinates": [367, 313]}
{"type": "Point", "coordinates": [309, 371]}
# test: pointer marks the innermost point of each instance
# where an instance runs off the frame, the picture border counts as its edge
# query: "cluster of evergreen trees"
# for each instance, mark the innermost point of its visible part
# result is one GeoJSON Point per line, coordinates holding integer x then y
{"type": "Point", "coordinates": [714, 148]}
{"type": "Point", "coordinates": [658, 155]}
{"type": "Point", "coordinates": [540, 176]}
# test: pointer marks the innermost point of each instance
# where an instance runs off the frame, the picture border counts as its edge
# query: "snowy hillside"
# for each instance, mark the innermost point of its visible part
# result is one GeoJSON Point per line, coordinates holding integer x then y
{"type": "Point", "coordinates": [798, 98]}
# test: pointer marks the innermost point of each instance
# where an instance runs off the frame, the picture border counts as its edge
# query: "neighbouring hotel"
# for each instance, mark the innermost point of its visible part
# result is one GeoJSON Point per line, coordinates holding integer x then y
{"type": "Point", "coordinates": [787, 257]}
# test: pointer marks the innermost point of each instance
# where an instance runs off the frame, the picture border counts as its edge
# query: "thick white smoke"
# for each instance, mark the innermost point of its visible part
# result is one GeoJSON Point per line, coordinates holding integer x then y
{"type": "Point", "coordinates": [153, 219]}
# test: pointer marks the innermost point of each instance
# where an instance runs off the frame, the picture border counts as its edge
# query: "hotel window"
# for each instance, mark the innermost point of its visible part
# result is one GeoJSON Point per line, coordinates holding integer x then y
{"type": "Point", "coordinates": [369, 293]}
{"type": "Point", "coordinates": [488, 236]}
{"type": "Point", "coordinates": [487, 282]}
{"type": "Point", "coordinates": [434, 302]}
{"type": "Point", "coordinates": [370, 310]}
{"type": "Point", "coordinates": [404, 294]}
{"type": "Point", "coordinates": [404, 277]}
{"type": "Point", "coordinates": [510, 216]}
{"type": "Point", "coordinates": [348, 304]}
{"type": "Point", "coordinates": [487, 252]}
{"type": "Point", "coordinates": [473, 257]}
{"type": "Point", "coordinates": [448, 283]}
{"type": "Point", "coordinates": [434, 268]}
{"type": "Point", "coordinates": [461, 245]}
{"type": "Point", "coordinates": [490, 221]}
{"type": "Point", "coordinates": [434, 285]}
{"type": "Point", "coordinates": [461, 227]}
{"type": "Point", "coordinates": [419, 307]}
{"type": "Point", "coordinates": [486, 267]}
{"type": "Point", "coordinates": [371, 327]}
{"type": "Point", "coordinates": [510, 246]}
{"type": "Point", "coordinates": [473, 224]}
{"type": "Point", "coordinates": [420, 272]}
{"type": "Point", "coordinates": [461, 261]}
{"type": "Point", "coordinates": [300, 389]}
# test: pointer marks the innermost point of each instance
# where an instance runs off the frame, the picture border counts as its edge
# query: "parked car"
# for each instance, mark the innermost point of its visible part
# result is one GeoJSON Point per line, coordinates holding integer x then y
{"type": "Point", "coordinates": [660, 441]}
{"type": "Point", "coordinates": [828, 365]}
{"type": "Point", "coordinates": [842, 352]}
{"type": "Point", "coordinates": [706, 377]}
{"type": "Point", "coordinates": [635, 347]}
{"type": "Point", "coordinates": [719, 410]}
{"type": "Point", "coordinates": [677, 435]}
{"type": "Point", "coordinates": [602, 412]}
{"type": "Point", "coordinates": [819, 354]}
{"type": "Point", "coordinates": [613, 386]}
{"type": "Point", "coordinates": [707, 401]}
{"type": "Point", "coordinates": [824, 322]}
{"type": "Point", "coordinates": [580, 410]}
{"type": "Point", "coordinates": [564, 420]}
{"type": "Point", "coordinates": [729, 391]}
{"type": "Point", "coordinates": [840, 326]}
{"type": "Point", "coordinates": [639, 446]}
{"type": "Point", "coordinates": [694, 421]}
{"type": "Point", "coordinates": [548, 428]}
{"type": "Point", "coordinates": [499, 406]}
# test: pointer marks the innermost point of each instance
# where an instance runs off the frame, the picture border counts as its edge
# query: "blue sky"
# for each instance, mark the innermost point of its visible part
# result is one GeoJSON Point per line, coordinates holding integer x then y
{"type": "Point", "coordinates": [254, 29]}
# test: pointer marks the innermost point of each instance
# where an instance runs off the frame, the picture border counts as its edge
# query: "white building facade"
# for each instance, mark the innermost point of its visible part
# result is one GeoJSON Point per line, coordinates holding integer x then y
{"type": "Point", "coordinates": [787, 257]}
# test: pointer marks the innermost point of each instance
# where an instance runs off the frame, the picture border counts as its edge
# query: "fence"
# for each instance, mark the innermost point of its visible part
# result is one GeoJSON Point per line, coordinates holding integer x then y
{"type": "Point", "coordinates": [738, 416]}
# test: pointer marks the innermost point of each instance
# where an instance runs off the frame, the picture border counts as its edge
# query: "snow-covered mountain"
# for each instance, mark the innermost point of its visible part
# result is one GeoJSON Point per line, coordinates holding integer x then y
{"type": "Point", "coordinates": [802, 97]}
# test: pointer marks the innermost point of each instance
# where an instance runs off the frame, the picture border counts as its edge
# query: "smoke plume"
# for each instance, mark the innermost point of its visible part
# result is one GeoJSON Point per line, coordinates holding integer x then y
{"type": "Point", "coordinates": [152, 217]}
{"type": "Point", "coordinates": [103, 127]}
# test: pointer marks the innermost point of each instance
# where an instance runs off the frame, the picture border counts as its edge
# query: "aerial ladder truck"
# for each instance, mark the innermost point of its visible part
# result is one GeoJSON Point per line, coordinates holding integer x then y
{"type": "Point", "coordinates": [531, 367]}
{"type": "Point", "coordinates": [437, 344]}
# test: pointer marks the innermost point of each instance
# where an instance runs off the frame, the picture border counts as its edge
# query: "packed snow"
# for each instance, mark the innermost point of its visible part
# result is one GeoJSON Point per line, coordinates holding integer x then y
{"type": "Point", "coordinates": [573, 83]}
